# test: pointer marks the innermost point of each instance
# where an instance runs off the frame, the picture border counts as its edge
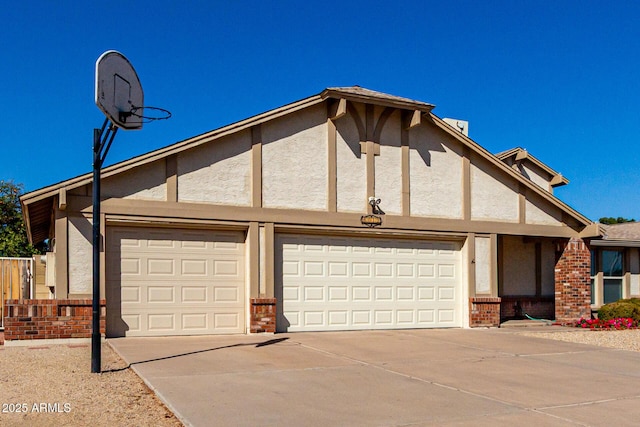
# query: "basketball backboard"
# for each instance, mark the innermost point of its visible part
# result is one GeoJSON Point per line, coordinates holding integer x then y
{"type": "Point", "coordinates": [118, 90]}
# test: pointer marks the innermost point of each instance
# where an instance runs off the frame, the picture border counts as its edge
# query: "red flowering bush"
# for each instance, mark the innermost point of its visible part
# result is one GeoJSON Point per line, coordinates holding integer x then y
{"type": "Point", "coordinates": [617, 323]}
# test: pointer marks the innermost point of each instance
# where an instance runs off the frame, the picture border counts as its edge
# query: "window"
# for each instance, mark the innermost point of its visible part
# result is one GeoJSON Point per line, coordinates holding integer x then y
{"type": "Point", "coordinates": [607, 275]}
{"type": "Point", "coordinates": [612, 275]}
{"type": "Point", "coordinates": [594, 272]}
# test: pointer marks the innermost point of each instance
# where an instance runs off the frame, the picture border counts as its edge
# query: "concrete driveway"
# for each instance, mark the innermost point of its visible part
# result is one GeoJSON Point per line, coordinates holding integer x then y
{"type": "Point", "coordinates": [458, 377]}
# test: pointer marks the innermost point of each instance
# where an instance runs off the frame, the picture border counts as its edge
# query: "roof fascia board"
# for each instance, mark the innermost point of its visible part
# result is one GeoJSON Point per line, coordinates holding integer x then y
{"type": "Point", "coordinates": [27, 223]}
{"type": "Point", "coordinates": [500, 164]}
{"type": "Point", "coordinates": [616, 243]}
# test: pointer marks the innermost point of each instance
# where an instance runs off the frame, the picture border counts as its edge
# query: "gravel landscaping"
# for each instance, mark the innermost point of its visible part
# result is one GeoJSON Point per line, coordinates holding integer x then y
{"type": "Point", "coordinates": [51, 385]}
{"type": "Point", "coordinates": [628, 339]}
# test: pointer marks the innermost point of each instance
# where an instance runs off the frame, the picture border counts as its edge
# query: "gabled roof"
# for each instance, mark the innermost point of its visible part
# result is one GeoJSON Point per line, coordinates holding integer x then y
{"type": "Point", "coordinates": [37, 204]}
{"type": "Point", "coordinates": [360, 94]}
{"type": "Point", "coordinates": [555, 178]}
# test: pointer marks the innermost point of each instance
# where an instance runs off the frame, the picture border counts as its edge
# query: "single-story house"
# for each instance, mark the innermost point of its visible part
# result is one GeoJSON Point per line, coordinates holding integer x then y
{"type": "Point", "coordinates": [350, 209]}
{"type": "Point", "coordinates": [615, 264]}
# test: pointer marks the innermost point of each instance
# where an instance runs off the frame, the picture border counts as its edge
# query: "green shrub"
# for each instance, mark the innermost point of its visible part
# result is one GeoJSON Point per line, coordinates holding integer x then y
{"type": "Point", "coordinates": [625, 308]}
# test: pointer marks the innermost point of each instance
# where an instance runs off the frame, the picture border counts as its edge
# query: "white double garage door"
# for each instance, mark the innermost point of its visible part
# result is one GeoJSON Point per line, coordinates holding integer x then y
{"type": "Point", "coordinates": [191, 282]}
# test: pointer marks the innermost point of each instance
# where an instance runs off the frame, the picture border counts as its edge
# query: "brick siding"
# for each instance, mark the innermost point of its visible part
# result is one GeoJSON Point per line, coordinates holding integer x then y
{"type": "Point", "coordinates": [484, 311]}
{"type": "Point", "coordinates": [263, 315]}
{"type": "Point", "coordinates": [573, 282]}
{"type": "Point", "coordinates": [30, 319]}
{"type": "Point", "coordinates": [516, 306]}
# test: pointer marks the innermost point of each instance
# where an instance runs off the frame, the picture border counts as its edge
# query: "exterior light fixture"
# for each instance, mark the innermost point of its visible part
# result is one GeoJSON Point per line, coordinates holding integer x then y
{"type": "Point", "coordinates": [375, 206]}
{"type": "Point", "coordinates": [371, 220]}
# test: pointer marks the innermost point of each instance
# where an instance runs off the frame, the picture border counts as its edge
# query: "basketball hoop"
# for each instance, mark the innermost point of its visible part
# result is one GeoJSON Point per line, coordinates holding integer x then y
{"type": "Point", "coordinates": [118, 93]}
{"type": "Point", "coordinates": [141, 113]}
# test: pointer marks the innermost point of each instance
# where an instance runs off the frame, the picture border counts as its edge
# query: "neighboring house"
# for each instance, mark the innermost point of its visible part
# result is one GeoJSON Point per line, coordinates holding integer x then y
{"type": "Point", "coordinates": [615, 264]}
{"type": "Point", "coordinates": [279, 213]}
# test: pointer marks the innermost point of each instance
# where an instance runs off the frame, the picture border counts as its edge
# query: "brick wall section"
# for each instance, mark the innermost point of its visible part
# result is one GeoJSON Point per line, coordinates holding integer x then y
{"type": "Point", "coordinates": [538, 307]}
{"type": "Point", "coordinates": [484, 311]}
{"type": "Point", "coordinates": [31, 319]}
{"type": "Point", "coordinates": [573, 282]}
{"type": "Point", "coordinates": [263, 315]}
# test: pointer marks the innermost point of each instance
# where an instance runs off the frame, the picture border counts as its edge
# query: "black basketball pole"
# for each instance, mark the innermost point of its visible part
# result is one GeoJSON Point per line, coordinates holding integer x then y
{"type": "Point", "coordinates": [99, 154]}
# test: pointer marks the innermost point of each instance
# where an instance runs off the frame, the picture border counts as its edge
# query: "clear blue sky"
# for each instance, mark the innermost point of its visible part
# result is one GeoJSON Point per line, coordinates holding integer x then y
{"type": "Point", "coordinates": [560, 79]}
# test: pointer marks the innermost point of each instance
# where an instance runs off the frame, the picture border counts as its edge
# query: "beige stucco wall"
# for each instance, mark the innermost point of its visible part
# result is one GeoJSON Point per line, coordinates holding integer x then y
{"type": "Point", "coordinates": [218, 172]}
{"type": "Point", "coordinates": [494, 196]}
{"type": "Point", "coordinates": [80, 255]}
{"type": "Point", "coordinates": [145, 182]}
{"type": "Point", "coordinates": [351, 175]}
{"type": "Point", "coordinates": [518, 267]}
{"type": "Point", "coordinates": [435, 164]}
{"type": "Point", "coordinates": [294, 160]}
{"type": "Point", "coordinates": [548, 276]}
{"type": "Point", "coordinates": [388, 179]}
{"type": "Point", "coordinates": [536, 175]}
{"type": "Point", "coordinates": [538, 211]}
{"type": "Point", "coordinates": [483, 265]}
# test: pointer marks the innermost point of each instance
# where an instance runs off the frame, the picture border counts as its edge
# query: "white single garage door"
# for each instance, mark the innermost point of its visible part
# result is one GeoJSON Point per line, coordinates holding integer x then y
{"type": "Point", "coordinates": [334, 283]}
{"type": "Point", "coordinates": [174, 282]}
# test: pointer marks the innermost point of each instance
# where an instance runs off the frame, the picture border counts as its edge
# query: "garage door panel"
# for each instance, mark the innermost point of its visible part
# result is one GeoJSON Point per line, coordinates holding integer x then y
{"type": "Point", "coordinates": [175, 282]}
{"type": "Point", "coordinates": [130, 267]}
{"type": "Point", "coordinates": [133, 322]}
{"type": "Point", "coordinates": [329, 283]}
{"type": "Point", "coordinates": [384, 293]}
{"type": "Point", "coordinates": [131, 294]}
{"type": "Point", "coordinates": [194, 267]}
{"type": "Point", "coordinates": [226, 294]}
{"type": "Point", "coordinates": [161, 267]}
{"type": "Point", "coordinates": [227, 322]}
{"type": "Point", "coordinates": [195, 294]}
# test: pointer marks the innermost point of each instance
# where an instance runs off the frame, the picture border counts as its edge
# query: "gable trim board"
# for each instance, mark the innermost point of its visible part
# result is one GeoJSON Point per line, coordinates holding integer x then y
{"type": "Point", "coordinates": [307, 170]}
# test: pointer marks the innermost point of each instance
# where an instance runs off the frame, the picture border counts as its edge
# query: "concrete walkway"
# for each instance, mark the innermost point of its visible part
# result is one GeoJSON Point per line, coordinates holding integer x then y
{"type": "Point", "coordinates": [478, 377]}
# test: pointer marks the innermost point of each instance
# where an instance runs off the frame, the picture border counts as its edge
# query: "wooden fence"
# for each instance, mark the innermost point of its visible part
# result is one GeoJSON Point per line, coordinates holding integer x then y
{"type": "Point", "coordinates": [16, 280]}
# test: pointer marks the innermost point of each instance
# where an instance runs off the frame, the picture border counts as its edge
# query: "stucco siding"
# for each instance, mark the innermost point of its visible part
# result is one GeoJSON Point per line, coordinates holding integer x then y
{"type": "Point", "coordinates": [388, 179]}
{"type": "Point", "coordinates": [351, 175]}
{"type": "Point", "coordinates": [483, 265]}
{"type": "Point", "coordinates": [494, 196]}
{"type": "Point", "coordinates": [435, 164]}
{"type": "Point", "coordinates": [294, 160]}
{"type": "Point", "coordinates": [548, 268]}
{"type": "Point", "coordinates": [80, 255]}
{"type": "Point", "coordinates": [146, 182]}
{"type": "Point", "coordinates": [518, 267]}
{"type": "Point", "coordinates": [540, 212]}
{"type": "Point", "coordinates": [536, 175]}
{"type": "Point", "coordinates": [218, 172]}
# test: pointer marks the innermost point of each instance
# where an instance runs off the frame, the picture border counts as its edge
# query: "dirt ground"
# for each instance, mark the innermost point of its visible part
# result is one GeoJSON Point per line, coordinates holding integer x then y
{"type": "Point", "coordinates": [52, 385]}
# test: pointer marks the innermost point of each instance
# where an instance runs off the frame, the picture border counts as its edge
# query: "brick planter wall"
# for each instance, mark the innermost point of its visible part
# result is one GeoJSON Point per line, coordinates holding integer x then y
{"type": "Point", "coordinates": [538, 307]}
{"type": "Point", "coordinates": [484, 311]}
{"type": "Point", "coordinates": [30, 319]}
{"type": "Point", "coordinates": [263, 315]}
{"type": "Point", "coordinates": [573, 282]}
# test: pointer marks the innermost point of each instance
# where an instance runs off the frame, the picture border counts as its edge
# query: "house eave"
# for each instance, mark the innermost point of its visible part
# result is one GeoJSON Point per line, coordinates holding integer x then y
{"type": "Point", "coordinates": [616, 243]}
